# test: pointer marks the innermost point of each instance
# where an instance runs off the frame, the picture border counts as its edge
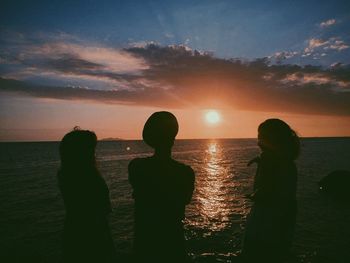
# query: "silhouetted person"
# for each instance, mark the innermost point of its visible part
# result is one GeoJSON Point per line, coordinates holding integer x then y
{"type": "Point", "coordinates": [162, 187]}
{"type": "Point", "coordinates": [270, 225]}
{"type": "Point", "coordinates": [86, 236]}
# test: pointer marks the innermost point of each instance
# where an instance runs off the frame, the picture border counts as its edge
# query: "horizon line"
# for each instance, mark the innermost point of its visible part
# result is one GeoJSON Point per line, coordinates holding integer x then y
{"type": "Point", "coordinates": [182, 139]}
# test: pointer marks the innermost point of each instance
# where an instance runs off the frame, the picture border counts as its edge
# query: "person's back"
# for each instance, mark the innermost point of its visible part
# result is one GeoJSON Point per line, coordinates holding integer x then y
{"type": "Point", "coordinates": [162, 187]}
{"type": "Point", "coordinates": [86, 235]}
{"type": "Point", "coordinates": [271, 221]}
{"type": "Point", "coordinates": [85, 194]}
{"type": "Point", "coordinates": [275, 181]}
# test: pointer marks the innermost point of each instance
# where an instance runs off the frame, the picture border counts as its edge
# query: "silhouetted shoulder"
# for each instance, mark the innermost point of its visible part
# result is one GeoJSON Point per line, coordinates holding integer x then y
{"type": "Point", "coordinates": [142, 164]}
{"type": "Point", "coordinates": [135, 166]}
{"type": "Point", "coordinates": [185, 169]}
{"type": "Point", "coordinates": [189, 179]}
{"type": "Point", "coordinates": [136, 163]}
{"type": "Point", "coordinates": [181, 165]}
{"type": "Point", "coordinates": [153, 176]}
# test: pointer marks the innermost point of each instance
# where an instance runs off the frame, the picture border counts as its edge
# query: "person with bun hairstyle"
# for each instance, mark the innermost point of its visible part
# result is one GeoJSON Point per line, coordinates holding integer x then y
{"type": "Point", "coordinates": [271, 221]}
{"type": "Point", "coordinates": [86, 234]}
{"type": "Point", "coordinates": [162, 187]}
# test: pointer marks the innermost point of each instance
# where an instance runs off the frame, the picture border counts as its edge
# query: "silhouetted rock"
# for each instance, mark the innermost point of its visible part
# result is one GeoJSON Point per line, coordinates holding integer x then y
{"type": "Point", "coordinates": [336, 184]}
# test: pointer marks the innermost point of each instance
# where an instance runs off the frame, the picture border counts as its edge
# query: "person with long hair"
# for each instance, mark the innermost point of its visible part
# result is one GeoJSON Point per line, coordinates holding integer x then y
{"type": "Point", "coordinates": [86, 235]}
{"type": "Point", "coordinates": [271, 221]}
{"type": "Point", "coordinates": [162, 187]}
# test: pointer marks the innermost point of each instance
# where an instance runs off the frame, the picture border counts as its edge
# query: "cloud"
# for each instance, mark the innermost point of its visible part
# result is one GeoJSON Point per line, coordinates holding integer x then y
{"type": "Point", "coordinates": [169, 35]}
{"type": "Point", "coordinates": [155, 96]}
{"type": "Point", "coordinates": [315, 43]}
{"type": "Point", "coordinates": [283, 55]}
{"type": "Point", "coordinates": [177, 77]}
{"type": "Point", "coordinates": [114, 60]}
{"type": "Point", "coordinates": [317, 47]}
{"type": "Point", "coordinates": [142, 44]}
{"type": "Point", "coordinates": [77, 64]}
{"type": "Point", "coordinates": [328, 23]}
{"type": "Point", "coordinates": [322, 47]}
{"type": "Point", "coordinates": [301, 79]}
{"type": "Point", "coordinates": [338, 45]}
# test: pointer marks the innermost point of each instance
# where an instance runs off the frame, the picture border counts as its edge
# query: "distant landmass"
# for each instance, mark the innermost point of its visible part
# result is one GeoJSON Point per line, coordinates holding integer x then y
{"type": "Point", "coordinates": [112, 139]}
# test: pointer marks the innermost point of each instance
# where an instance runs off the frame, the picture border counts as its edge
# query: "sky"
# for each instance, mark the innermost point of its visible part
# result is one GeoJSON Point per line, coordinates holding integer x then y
{"type": "Point", "coordinates": [108, 65]}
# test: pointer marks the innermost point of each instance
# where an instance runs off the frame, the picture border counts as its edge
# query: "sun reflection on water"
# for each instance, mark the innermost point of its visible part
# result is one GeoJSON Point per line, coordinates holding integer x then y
{"type": "Point", "coordinates": [212, 148]}
{"type": "Point", "coordinates": [214, 187]}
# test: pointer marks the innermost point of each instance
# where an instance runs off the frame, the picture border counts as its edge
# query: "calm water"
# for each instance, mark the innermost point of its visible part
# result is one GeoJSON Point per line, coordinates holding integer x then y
{"type": "Point", "coordinates": [31, 209]}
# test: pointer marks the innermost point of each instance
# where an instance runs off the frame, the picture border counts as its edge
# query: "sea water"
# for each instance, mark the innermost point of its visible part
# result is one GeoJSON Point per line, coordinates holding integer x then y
{"type": "Point", "coordinates": [32, 212]}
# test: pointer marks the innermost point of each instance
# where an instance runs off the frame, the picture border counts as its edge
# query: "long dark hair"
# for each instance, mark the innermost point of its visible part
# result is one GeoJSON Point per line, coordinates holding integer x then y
{"type": "Point", "coordinates": [77, 149]}
{"type": "Point", "coordinates": [281, 137]}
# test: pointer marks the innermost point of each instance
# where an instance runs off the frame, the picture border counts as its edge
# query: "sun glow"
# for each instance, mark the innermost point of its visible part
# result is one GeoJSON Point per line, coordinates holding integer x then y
{"type": "Point", "coordinates": [212, 117]}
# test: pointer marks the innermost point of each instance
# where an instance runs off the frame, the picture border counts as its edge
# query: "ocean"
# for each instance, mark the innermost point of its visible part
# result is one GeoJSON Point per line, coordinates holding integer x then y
{"type": "Point", "coordinates": [32, 212]}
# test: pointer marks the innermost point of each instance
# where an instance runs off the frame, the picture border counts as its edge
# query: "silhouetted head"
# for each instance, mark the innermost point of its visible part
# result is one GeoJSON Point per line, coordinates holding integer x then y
{"type": "Point", "coordinates": [78, 148]}
{"type": "Point", "coordinates": [160, 130]}
{"type": "Point", "coordinates": [276, 136]}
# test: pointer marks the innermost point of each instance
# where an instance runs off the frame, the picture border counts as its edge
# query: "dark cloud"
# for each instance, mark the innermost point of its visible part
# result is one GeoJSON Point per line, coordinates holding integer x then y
{"type": "Point", "coordinates": [255, 85]}
{"type": "Point", "coordinates": [71, 63]}
{"type": "Point", "coordinates": [156, 96]}
{"type": "Point", "coordinates": [177, 77]}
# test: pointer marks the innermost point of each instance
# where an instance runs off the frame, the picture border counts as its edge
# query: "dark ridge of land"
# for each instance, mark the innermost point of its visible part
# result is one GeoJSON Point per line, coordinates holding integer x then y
{"type": "Point", "coordinates": [111, 139]}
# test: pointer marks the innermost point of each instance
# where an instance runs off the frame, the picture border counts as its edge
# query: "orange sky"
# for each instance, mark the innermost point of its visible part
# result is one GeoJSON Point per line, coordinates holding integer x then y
{"type": "Point", "coordinates": [33, 119]}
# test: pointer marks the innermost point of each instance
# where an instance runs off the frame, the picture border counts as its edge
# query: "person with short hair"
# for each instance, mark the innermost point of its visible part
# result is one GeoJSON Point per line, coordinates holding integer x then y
{"type": "Point", "coordinates": [162, 187]}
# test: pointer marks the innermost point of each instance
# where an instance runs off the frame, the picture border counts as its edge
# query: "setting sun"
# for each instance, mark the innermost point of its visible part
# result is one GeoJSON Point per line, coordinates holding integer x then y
{"type": "Point", "coordinates": [212, 117]}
